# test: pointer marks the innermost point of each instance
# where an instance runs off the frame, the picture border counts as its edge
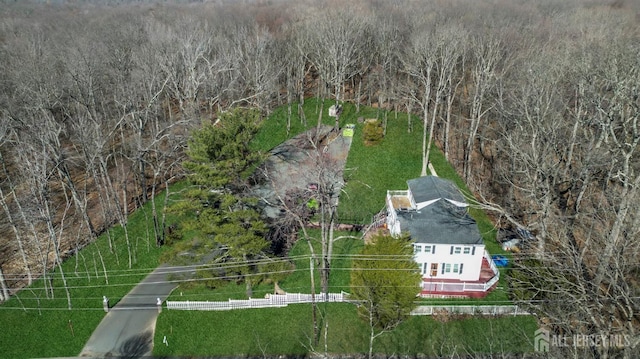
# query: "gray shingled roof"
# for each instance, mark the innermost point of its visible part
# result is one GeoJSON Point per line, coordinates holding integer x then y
{"type": "Point", "coordinates": [428, 188]}
{"type": "Point", "coordinates": [441, 222]}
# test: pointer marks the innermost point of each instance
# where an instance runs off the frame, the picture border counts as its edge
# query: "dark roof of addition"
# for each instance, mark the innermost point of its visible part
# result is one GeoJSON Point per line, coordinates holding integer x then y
{"type": "Point", "coordinates": [428, 188]}
{"type": "Point", "coordinates": [441, 222]}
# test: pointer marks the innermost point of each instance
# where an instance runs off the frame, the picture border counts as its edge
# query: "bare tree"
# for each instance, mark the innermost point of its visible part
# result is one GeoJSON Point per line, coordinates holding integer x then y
{"type": "Point", "coordinates": [296, 68]}
{"type": "Point", "coordinates": [182, 49]}
{"type": "Point", "coordinates": [447, 52]}
{"type": "Point", "coordinates": [452, 63]}
{"type": "Point", "coordinates": [4, 290]}
{"type": "Point", "coordinates": [336, 41]}
{"type": "Point", "coordinates": [387, 43]}
{"type": "Point", "coordinates": [569, 140]}
{"type": "Point", "coordinates": [41, 160]}
{"type": "Point", "coordinates": [257, 65]}
{"type": "Point", "coordinates": [487, 55]}
{"type": "Point", "coordinates": [5, 201]}
{"type": "Point", "coordinates": [419, 62]}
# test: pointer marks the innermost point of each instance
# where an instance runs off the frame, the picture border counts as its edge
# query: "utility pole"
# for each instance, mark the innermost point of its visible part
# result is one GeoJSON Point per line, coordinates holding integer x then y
{"type": "Point", "coordinates": [313, 302]}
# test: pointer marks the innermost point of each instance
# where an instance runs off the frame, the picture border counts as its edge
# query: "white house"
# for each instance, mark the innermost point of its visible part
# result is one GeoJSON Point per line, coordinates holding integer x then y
{"type": "Point", "coordinates": [447, 243]}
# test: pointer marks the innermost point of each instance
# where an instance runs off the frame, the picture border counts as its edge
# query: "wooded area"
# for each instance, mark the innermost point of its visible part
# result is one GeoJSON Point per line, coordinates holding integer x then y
{"type": "Point", "coordinates": [535, 103]}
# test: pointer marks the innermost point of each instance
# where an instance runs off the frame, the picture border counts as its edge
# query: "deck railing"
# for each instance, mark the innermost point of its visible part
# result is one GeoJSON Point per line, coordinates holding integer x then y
{"type": "Point", "coordinates": [461, 287]}
{"type": "Point", "coordinates": [469, 309]}
{"type": "Point", "coordinates": [493, 266]}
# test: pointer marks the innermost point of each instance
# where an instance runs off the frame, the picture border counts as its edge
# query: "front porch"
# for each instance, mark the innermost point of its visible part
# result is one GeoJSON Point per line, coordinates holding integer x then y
{"type": "Point", "coordinates": [433, 287]}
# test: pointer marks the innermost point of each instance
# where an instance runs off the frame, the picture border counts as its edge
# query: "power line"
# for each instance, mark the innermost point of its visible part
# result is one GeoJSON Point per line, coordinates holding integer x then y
{"type": "Point", "coordinates": [231, 265]}
{"type": "Point", "coordinates": [163, 270]}
{"type": "Point", "coordinates": [138, 271]}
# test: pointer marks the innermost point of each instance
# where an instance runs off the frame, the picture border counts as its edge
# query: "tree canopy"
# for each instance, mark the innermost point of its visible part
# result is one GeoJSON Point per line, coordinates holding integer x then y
{"type": "Point", "coordinates": [219, 152]}
{"type": "Point", "coordinates": [387, 278]}
{"type": "Point", "coordinates": [226, 226]}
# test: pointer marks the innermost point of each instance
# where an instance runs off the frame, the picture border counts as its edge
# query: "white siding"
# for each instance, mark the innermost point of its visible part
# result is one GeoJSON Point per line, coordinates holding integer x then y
{"type": "Point", "coordinates": [471, 263]}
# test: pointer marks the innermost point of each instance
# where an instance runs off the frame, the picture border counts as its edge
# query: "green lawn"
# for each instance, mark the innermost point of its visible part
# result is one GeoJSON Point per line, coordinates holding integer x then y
{"type": "Point", "coordinates": [287, 331]}
{"type": "Point", "coordinates": [249, 332]}
{"type": "Point", "coordinates": [257, 332]}
{"type": "Point", "coordinates": [370, 170]}
{"type": "Point", "coordinates": [299, 281]}
{"type": "Point", "coordinates": [40, 327]}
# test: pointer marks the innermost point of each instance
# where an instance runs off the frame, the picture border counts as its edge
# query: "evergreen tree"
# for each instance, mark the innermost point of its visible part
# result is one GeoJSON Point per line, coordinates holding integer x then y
{"type": "Point", "coordinates": [228, 231]}
{"type": "Point", "coordinates": [219, 153]}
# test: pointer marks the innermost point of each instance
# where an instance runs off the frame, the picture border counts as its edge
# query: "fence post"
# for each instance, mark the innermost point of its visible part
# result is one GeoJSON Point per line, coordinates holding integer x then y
{"type": "Point", "coordinates": [159, 304]}
{"type": "Point", "coordinates": [105, 303]}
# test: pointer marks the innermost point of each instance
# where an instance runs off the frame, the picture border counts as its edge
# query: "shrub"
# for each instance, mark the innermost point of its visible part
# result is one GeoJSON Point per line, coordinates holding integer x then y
{"type": "Point", "coordinates": [372, 132]}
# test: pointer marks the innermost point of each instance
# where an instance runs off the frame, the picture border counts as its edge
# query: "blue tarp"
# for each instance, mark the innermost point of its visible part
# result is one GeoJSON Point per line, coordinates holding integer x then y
{"type": "Point", "coordinates": [500, 261]}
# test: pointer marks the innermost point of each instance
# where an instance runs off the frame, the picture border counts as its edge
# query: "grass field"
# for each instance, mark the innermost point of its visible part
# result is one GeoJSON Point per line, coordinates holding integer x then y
{"type": "Point", "coordinates": [372, 170]}
{"type": "Point", "coordinates": [38, 327]}
{"type": "Point", "coordinates": [258, 332]}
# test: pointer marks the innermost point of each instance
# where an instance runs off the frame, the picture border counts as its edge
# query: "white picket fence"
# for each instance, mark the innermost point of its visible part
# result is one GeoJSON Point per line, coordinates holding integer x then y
{"type": "Point", "coordinates": [469, 309]}
{"type": "Point", "coordinates": [271, 301]}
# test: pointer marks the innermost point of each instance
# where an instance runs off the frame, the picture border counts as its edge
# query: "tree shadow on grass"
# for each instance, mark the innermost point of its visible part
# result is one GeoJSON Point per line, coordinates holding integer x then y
{"type": "Point", "coordinates": [136, 346]}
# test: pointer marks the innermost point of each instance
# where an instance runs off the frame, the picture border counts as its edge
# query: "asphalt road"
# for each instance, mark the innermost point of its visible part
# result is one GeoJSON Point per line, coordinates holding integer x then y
{"type": "Point", "coordinates": [128, 329]}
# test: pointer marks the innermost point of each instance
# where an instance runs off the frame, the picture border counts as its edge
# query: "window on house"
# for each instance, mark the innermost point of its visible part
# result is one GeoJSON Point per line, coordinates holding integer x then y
{"type": "Point", "coordinates": [466, 250]}
{"type": "Point", "coordinates": [447, 268]}
{"type": "Point", "coordinates": [427, 249]}
{"type": "Point", "coordinates": [455, 268]}
{"type": "Point", "coordinates": [457, 250]}
{"type": "Point", "coordinates": [417, 248]}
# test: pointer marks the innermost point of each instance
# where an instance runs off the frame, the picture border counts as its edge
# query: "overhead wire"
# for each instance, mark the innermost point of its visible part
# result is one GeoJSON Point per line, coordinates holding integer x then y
{"type": "Point", "coordinates": [234, 264]}
{"type": "Point", "coordinates": [181, 269]}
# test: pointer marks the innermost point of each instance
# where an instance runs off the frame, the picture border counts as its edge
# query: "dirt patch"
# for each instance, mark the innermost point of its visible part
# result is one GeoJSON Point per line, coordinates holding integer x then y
{"type": "Point", "coordinates": [299, 164]}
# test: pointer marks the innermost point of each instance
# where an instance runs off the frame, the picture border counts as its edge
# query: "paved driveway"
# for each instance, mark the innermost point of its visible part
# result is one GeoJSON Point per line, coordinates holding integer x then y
{"type": "Point", "coordinates": [128, 329]}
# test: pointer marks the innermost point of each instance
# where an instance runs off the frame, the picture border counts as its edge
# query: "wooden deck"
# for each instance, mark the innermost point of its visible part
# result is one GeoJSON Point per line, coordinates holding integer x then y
{"type": "Point", "coordinates": [452, 288]}
{"type": "Point", "coordinates": [400, 202]}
